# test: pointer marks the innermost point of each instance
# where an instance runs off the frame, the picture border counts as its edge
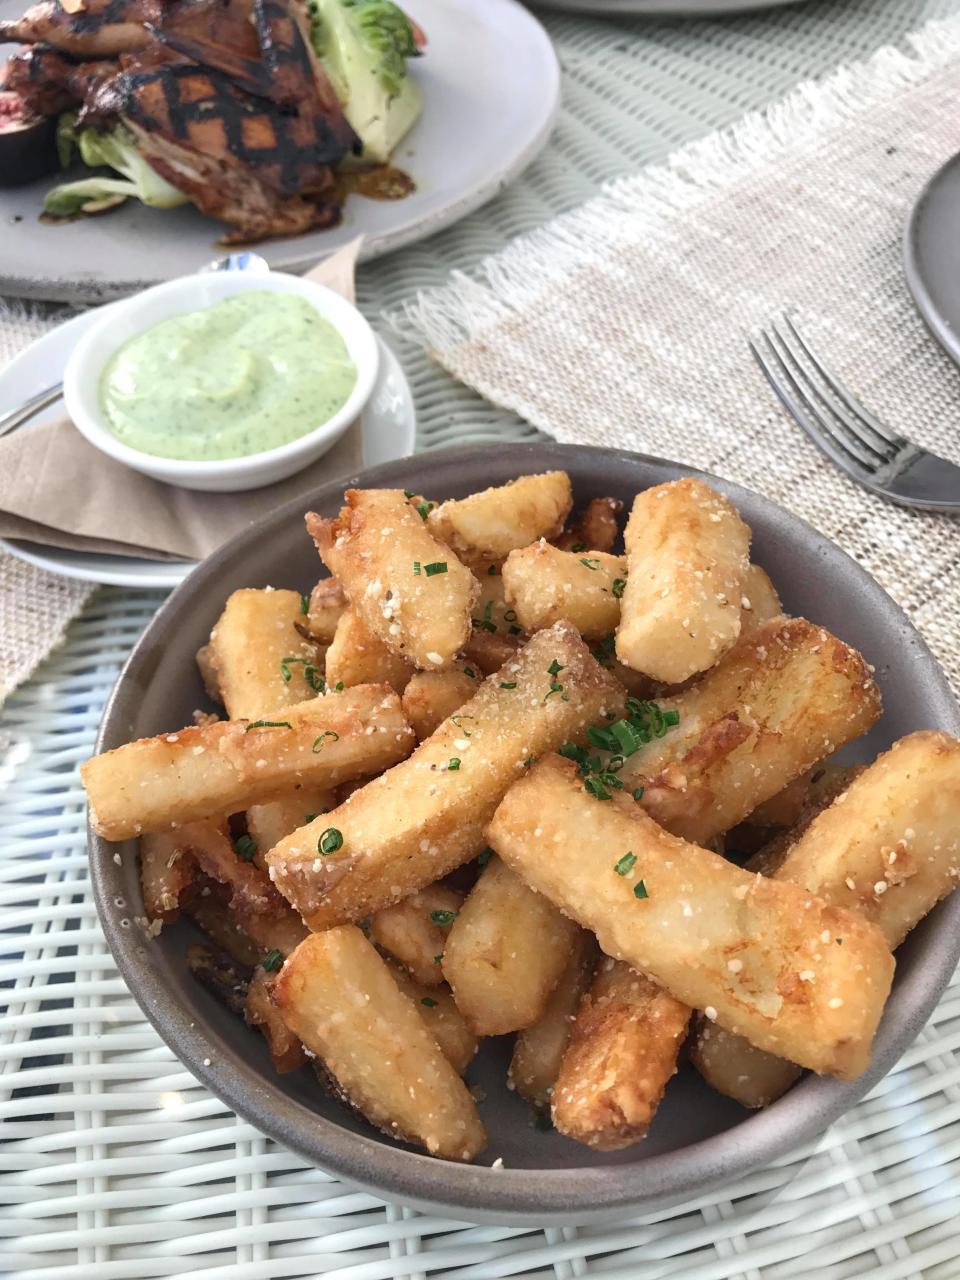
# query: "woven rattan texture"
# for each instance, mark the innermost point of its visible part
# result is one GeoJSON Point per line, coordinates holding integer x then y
{"type": "Point", "coordinates": [117, 1164]}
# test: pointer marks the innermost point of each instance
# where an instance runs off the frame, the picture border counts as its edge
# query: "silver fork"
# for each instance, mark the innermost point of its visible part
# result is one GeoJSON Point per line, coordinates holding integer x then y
{"type": "Point", "coordinates": [880, 459]}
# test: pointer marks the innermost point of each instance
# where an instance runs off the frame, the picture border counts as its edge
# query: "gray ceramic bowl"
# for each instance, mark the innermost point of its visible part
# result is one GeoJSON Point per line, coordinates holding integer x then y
{"type": "Point", "coordinates": [699, 1140]}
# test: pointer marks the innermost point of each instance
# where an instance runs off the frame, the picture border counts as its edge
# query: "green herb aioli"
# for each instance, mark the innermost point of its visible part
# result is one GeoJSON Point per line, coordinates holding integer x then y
{"type": "Point", "coordinates": [250, 373]}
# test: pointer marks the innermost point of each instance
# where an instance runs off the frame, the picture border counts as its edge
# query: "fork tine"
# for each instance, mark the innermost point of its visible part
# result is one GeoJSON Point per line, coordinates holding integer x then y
{"type": "Point", "coordinates": [855, 415]}
{"type": "Point", "coordinates": [818, 405]}
{"type": "Point", "coordinates": [790, 396]}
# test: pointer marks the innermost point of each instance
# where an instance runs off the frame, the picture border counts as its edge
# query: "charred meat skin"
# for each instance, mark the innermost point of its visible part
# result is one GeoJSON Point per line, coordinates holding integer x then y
{"type": "Point", "coordinates": [223, 188]}
{"type": "Point", "coordinates": [283, 68]}
{"type": "Point", "coordinates": [48, 82]}
{"type": "Point", "coordinates": [201, 109]}
{"type": "Point", "coordinates": [103, 28]}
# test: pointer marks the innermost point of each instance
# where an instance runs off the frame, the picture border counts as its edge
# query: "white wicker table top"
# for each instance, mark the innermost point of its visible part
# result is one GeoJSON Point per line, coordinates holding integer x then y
{"type": "Point", "coordinates": [116, 1164]}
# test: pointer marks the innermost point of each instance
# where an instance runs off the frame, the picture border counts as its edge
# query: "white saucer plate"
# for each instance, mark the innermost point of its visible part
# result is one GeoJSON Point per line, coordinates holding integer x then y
{"type": "Point", "coordinates": [389, 432]}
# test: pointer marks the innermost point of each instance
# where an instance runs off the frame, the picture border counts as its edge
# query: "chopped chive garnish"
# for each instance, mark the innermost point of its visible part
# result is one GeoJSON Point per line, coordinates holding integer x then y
{"type": "Point", "coordinates": [514, 630]}
{"type": "Point", "coordinates": [438, 957]}
{"type": "Point", "coordinates": [429, 1002]}
{"type": "Point", "coordinates": [310, 673]}
{"type": "Point", "coordinates": [330, 841]}
{"type": "Point", "coordinates": [483, 857]}
{"type": "Point", "coordinates": [640, 890]}
{"type": "Point", "coordinates": [605, 648]}
{"type": "Point", "coordinates": [310, 817]}
{"type": "Point", "coordinates": [304, 604]}
{"type": "Point", "coordinates": [416, 568]}
{"type": "Point", "coordinates": [597, 736]}
{"type": "Point", "coordinates": [596, 788]}
{"type": "Point", "coordinates": [469, 671]}
{"type": "Point", "coordinates": [638, 794]}
{"type": "Point", "coordinates": [590, 561]}
{"type": "Point", "coordinates": [338, 687]}
{"type": "Point", "coordinates": [459, 719]}
{"type": "Point", "coordinates": [246, 847]}
{"type": "Point", "coordinates": [626, 864]}
{"type": "Point", "coordinates": [408, 494]}
{"type": "Point", "coordinates": [453, 764]}
{"type": "Point", "coordinates": [438, 566]}
{"type": "Point", "coordinates": [508, 684]}
{"type": "Point", "coordinates": [272, 960]}
{"type": "Point", "coordinates": [425, 508]}
{"type": "Point", "coordinates": [268, 724]}
{"type": "Point", "coordinates": [578, 546]}
{"type": "Point", "coordinates": [554, 668]}
{"type": "Point", "coordinates": [443, 917]}
{"type": "Point", "coordinates": [619, 584]}
{"type": "Point", "coordinates": [318, 742]}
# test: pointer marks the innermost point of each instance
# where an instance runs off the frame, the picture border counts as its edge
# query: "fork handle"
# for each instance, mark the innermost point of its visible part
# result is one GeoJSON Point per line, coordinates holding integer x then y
{"type": "Point", "coordinates": [17, 417]}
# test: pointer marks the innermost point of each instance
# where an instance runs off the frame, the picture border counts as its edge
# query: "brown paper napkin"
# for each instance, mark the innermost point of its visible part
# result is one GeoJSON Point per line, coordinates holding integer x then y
{"type": "Point", "coordinates": [57, 489]}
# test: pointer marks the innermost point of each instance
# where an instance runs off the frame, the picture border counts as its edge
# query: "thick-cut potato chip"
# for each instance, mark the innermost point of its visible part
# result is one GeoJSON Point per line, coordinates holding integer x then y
{"type": "Point", "coordinates": [759, 602]}
{"type": "Point", "coordinates": [745, 950]}
{"type": "Point", "coordinates": [417, 822]}
{"type": "Point", "coordinates": [415, 931]}
{"type": "Point", "coordinates": [489, 651]}
{"type": "Point", "coordinates": [538, 1050]}
{"type": "Point", "coordinates": [495, 522]}
{"type": "Point", "coordinates": [261, 662]}
{"type": "Point", "coordinates": [257, 907]}
{"type": "Point", "coordinates": [326, 606]}
{"type": "Point", "coordinates": [167, 872]}
{"type": "Point", "coordinates": [622, 1053]}
{"type": "Point", "coordinates": [888, 848]}
{"type": "Point", "coordinates": [433, 696]}
{"type": "Point", "coordinates": [598, 526]}
{"type": "Point", "coordinates": [443, 1019]}
{"type": "Point", "coordinates": [270, 823]}
{"type": "Point", "coordinates": [210, 911]}
{"type": "Point", "coordinates": [687, 558]}
{"type": "Point", "coordinates": [505, 953]}
{"type": "Point", "coordinates": [787, 696]}
{"type": "Point", "coordinates": [194, 773]}
{"type": "Point", "coordinates": [260, 1012]}
{"type": "Point", "coordinates": [338, 996]}
{"type": "Point", "coordinates": [358, 656]}
{"type": "Point", "coordinates": [545, 584]}
{"type": "Point", "coordinates": [409, 588]}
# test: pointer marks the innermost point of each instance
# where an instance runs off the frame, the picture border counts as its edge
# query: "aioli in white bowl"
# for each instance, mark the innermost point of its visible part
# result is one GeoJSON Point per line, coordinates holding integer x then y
{"type": "Point", "coordinates": [242, 376]}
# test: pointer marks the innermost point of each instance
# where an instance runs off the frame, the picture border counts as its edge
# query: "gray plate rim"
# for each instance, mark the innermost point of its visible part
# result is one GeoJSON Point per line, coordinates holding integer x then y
{"type": "Point", "coordinates": [916, 277]}
{"type": "Point", "coordinates": [525, 1196]}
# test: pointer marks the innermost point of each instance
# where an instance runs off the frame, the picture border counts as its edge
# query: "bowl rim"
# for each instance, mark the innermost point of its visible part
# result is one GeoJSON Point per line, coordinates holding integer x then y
{"type": "Point", "coordinates": [501, 1195]}
{"type": "Point", "coordinates": [98, 345]}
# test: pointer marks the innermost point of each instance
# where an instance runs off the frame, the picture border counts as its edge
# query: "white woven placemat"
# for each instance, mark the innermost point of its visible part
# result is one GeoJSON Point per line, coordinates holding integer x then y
{"type": "Point", "coordinates": [118, 1164]}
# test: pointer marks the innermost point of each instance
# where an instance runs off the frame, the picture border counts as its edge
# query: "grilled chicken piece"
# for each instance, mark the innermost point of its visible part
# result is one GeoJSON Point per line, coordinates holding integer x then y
{"type": "Point", "coordinates": [226, 189]}
{"type": "Point", "coordinates": [193, 107]}
{"type": "Point", "coordinates": [48, 82]}
{"type": "Point", "coordinates": [281, 66]}
{"type": "Point", "coordinates": [101, 29]}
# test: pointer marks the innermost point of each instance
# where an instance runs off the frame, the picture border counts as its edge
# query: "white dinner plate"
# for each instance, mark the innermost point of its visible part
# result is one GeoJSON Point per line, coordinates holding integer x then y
{"type": "Point", "coordinates": [491, 92]}
{"type": "Point", "coordinates": [389, 432]}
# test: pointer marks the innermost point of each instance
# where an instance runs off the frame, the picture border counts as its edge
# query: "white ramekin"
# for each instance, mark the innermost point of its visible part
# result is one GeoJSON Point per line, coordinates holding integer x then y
{"type": "Point", "coordinates": [81, 379]}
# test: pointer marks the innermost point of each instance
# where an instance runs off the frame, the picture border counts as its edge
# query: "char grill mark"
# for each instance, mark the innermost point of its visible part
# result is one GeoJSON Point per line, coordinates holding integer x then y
{"type": "Point", "coordinates": [224, 189]}
{"type": "Point", "coordinates": [200, 108]}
